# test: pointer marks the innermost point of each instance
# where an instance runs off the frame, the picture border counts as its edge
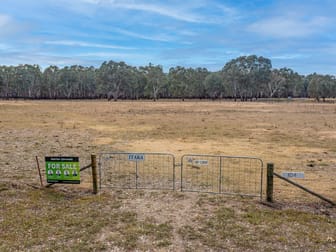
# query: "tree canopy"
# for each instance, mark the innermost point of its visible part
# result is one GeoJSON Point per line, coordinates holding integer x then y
{"type": "Point", "coordinates": [243, 78]}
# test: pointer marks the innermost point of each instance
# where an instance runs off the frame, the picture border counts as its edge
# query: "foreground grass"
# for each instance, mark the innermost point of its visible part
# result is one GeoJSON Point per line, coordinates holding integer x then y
{"type": "Point", "coordinates": [49, 220]}
{"type": "Point", "coordinates": [74, 220]}
{"type": "Point", "coordinates": [250, 228]}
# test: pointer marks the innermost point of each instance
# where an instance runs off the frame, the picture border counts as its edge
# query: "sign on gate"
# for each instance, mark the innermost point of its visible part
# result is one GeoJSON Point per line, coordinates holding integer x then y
{"type": "Point", "coordinates": [136, 157]}
{"type": "Point", "coordinates": [201, 162]}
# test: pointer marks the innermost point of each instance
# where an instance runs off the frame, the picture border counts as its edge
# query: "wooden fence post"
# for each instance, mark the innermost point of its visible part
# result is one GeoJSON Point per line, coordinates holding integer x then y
{"type": "Point", "coordinates": [94, 174]}
{"type": "Point", "coordinates": [269, 188]}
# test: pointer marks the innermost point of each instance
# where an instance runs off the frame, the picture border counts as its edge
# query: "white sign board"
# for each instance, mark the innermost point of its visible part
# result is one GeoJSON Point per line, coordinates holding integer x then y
{"type": "Point", "coordinates": [201, 162]}
{"type": "Point", "coordinates": [136, 157]}
{"type": "Point", "coordinates": [299, 175]}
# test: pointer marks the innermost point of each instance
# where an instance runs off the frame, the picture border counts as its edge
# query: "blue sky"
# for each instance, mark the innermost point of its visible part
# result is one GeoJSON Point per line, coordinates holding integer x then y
{"type": "Point", "coordinates": [191, 33]}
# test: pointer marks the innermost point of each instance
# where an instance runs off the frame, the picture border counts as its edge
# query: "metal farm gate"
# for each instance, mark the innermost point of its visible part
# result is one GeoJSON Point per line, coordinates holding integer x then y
{"type": "Point", "coordinates": [222, 174]}
{"type": "Point", "coordinates": [137, 170]}
{"type": "Point", "coordinates": [198, 173]}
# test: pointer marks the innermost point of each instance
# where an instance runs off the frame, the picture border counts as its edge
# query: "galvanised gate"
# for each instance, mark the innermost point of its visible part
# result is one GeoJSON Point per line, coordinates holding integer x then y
{"type": "Point", "coordinates": [222, 174]}
{"type": "Point", "coordinates": [137, 170]}
{"type": "Point", "coordinates": [198, 173]}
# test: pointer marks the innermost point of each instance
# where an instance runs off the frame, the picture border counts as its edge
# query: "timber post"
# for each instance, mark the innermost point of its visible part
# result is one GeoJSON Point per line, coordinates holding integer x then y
{"type": "Point", "coordinates": [94, 174]}
{"type": "Point", "coordinates": [269, 188]}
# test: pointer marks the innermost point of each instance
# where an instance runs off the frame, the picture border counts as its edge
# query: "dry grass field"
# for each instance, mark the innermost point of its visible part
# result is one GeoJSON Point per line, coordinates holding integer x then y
{"type": "Point", "coordinates": [295, 136]}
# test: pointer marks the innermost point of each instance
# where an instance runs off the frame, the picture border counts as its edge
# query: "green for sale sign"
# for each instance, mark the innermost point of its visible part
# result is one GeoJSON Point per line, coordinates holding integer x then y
{"type": "Point", "coordinates": [62, 170]}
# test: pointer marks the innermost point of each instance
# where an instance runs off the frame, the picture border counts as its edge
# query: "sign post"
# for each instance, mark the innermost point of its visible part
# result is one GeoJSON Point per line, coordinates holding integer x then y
{"type": "Point", "coordinates": [62, 170]}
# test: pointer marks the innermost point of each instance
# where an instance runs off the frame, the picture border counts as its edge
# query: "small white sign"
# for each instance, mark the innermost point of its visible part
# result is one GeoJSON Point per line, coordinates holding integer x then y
{"type": "Point", "coordinates": [136, 157]}
{"type": "Point", "coordinates": [201, 162]}
{"type": "Point", "coordinates": [299, 175]}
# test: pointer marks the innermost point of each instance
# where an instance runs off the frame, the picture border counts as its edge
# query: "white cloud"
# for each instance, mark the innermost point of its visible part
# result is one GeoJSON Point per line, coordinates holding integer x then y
{"type": "Point", "coordinates": [109, 55]}
{"type": "Point", "coordinates": [288, 27]}
{"type": "Point", "coordinates": [8, 26]}
{"type": "Point", "coordinates": [4, 46]}
{"type": "Point", "coordinates": [159, 37]}
{"type": "Point", "coordinates": [16, 58]}
{"type": "Point", "coordinates": [85, 44]}
{"type": "Point", "coordinates": [229, 14]}
{"type": "Point", "coordinates": [130, 58]}
{"type": "Point", "coordinates": [4, 20]}
{"type": "Point", "coordinates": [174, 11]}
{"type": "Point", "coordinates": [91, 1]}
{"type": "Point", "coordinates": [290, 56]}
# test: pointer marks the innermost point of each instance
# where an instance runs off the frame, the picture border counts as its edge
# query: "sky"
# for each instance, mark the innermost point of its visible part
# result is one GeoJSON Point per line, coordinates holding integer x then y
{"type": "Point", "coordinates": [300, 35]}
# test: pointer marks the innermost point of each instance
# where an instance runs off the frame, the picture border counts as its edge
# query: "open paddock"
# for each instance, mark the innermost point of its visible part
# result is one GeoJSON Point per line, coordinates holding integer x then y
{"type": "Point", "coordinates": [295, 136]}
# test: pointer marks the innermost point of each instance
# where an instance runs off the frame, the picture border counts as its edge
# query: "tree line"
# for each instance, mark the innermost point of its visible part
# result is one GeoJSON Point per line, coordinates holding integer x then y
{"type": "Point", "coordinates": [244, 78]}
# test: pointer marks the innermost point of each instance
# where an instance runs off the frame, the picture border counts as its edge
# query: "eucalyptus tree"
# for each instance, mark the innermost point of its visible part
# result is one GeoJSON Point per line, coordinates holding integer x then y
{"type": "Point", "coordinates": [32, 77]}
{"type": "Point", "coordinates": [313, 88]}
{"type": "Point", "coordinates": [155, 80]}
{"type": "Point", "coordinates": [321, 86]}
{"type": "Point", "coordinates": [301, 86]}
{"type": "Point", "coordinates": [214, 85]}
{"type": "Point", "coordinates": [18, 84]}
{"type": "Point", "coordinates": [187, 82]}
{"type": "Point", "coordinates": [178, 83]}
{"type": "Point", "coordinates": [230, 74]}
{"type": "Point", "coordinates": [276, 84]}
{"type": "Point", "coordinates": [2, 83]}
{"type": "Point", "coordinates": [247, 76]}
{"type": "Point", "coordinates": [7, 80]}
{"type": "Point", "coordinates": [293, 82]}
{"type": "Point", "coordinates": [114, 79]}
{"type": "Point", "coordinates": [86, 77]}
{"type": "Point", "coordinates": [333, 87]}
{"type": "Point", "coordinates": [138, 85]}
{"type": "Point", "coordinates": [50, 79]}
{"type": "Point", "coordinates": [327, 86]}
{"type": "Point", "coordinates": [68, 82]}
{"type": "Point", "coordinates": [260, 72]}
{"type": "Point", "coordinates": [26, 82]}
{"type": "Point", "coordinates": [89, 78]}
{"type": "Point", "coordinates": [135, 83]}
{"type": "Point", "coordinates": [196, 82]}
